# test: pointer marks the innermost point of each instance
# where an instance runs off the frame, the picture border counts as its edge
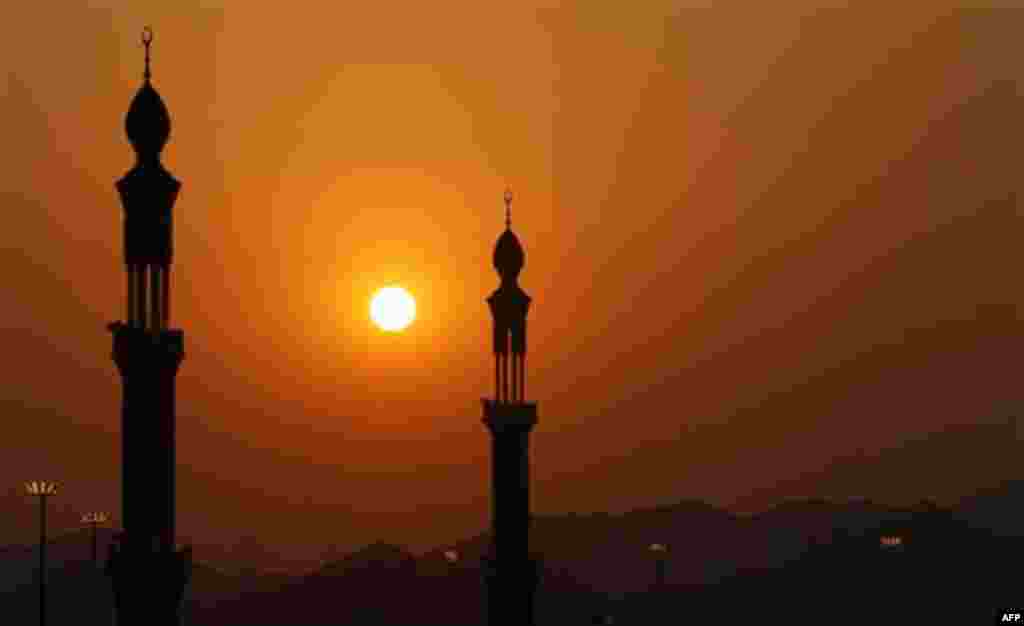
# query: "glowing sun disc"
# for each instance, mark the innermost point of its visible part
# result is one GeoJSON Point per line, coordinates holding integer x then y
{"type": "Point", "coordinates": [392, 309]}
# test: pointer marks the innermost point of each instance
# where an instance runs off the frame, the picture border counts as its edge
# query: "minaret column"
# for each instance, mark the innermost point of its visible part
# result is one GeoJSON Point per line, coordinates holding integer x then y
{"type": "Point", "coordinates": [142, 292]}
{"type": "Point", "coordinates": [154, 297]}
{"type": "Point", "coordinates": [504, 377]}
{"type": "Point", "coordinates": [165, 299]}
{"type": "Point", "coordinates": [130, 308]}
{"type": "Point", "coordinates": [522, 377]}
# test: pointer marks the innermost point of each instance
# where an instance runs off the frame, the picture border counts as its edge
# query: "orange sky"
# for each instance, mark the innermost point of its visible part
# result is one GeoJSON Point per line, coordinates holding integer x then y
{"type": "Point", "coordinates": [755, 240]}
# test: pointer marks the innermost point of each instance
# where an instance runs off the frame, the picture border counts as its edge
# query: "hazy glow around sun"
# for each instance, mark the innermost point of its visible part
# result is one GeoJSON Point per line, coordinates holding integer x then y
{"type": "Point", "coordinates": [392, 309]}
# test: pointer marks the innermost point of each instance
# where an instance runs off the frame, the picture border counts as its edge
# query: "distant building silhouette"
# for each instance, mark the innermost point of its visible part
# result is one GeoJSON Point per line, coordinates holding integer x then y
{"type": "Point", "coordinates": [511, 573]}
{"type": "Point", "coordinates": [148, 575]}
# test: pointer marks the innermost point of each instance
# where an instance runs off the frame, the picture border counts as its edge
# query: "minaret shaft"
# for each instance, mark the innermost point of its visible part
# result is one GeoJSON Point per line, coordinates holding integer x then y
{"type": "Point", "coordinates": [148, 364]}
{"type": "Point", "coordinates": [148, 574]}
{"type": "Point", "coordinates": [510, 515]}
{"type": "Point", "coordinates": [512, 578]}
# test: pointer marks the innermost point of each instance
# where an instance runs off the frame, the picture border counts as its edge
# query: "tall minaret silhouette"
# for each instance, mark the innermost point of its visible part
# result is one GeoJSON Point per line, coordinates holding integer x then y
{"type": "Point", "coordinates": [512, 575]}
{"type": "Point", "coordinates": [148, 575]}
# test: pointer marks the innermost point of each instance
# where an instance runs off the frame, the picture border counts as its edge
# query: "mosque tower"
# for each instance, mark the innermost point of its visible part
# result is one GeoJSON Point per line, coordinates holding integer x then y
{"type": "Point", "coordinates": [147, 572]}
{"type": "Point", "coordinates": [511, 572]}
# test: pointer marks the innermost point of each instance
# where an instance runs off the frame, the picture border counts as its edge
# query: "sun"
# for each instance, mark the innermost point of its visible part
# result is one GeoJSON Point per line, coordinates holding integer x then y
{"type": "Point", "coordinates": [392, 309]}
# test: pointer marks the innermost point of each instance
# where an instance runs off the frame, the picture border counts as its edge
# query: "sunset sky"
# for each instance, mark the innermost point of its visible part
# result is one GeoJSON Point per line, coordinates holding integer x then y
{"type": "Point", "coordinates": [756, 240]}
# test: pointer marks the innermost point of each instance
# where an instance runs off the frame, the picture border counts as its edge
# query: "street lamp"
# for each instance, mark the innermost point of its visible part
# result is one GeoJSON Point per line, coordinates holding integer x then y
{"type": "Point", "coordinates": [41, 489]}
{"type": "Point", "coordinates": [94, 520]}
{"type": "Point", "coordinates": [659, 550]}
{"type": "Point", "coordinates": [452, 558]}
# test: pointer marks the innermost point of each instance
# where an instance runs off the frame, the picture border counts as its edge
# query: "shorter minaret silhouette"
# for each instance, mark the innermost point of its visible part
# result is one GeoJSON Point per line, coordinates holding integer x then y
{"type": "Point", "coordinates": [148, 575]}
{"type": "Point", "coordinates": [512, 573]}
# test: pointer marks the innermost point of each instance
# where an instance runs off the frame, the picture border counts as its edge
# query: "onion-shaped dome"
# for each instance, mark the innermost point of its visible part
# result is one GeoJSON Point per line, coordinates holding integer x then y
{"type": "Point", "coordinates": [148, 124]}
{"type": "Point", "coordinates": [508, 255]}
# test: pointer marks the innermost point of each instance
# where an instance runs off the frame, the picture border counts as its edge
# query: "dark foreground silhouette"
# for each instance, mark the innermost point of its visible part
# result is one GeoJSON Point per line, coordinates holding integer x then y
{"type": "Point", "coordinates": [807, 562]}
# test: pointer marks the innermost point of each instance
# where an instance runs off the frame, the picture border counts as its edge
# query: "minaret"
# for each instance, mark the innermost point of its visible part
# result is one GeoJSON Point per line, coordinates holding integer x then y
{"type": "Point", "coordinates": [512, 573]}
{"type": "Point", "coordinates": [148, 576]}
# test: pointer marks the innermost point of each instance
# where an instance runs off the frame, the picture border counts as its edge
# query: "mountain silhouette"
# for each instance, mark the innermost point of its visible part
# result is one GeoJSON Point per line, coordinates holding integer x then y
{"type": "Point", "coordinates": [807, 555]}
{"type": "Point", "coordinates": [360, 588]}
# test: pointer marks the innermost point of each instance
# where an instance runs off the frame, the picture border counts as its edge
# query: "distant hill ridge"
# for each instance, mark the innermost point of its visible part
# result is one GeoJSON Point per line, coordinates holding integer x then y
{"type": "Point", "coordinates": [581, 554]}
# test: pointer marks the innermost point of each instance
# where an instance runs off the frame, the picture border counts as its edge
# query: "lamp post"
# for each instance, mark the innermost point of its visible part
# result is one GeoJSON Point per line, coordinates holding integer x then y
{"type": "Point", "coordinates": [41, 489]}
{"type": "Point", "coordinates": [659, 550]}
{"type": "Point", "coordinates": [452, 558]}
{"type": "Point", "coordinates": [94, 520]}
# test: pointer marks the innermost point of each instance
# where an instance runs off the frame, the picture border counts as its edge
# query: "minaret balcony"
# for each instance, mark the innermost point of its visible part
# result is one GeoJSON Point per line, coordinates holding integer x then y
{"type": "Point", "coordinates": [509, 414]}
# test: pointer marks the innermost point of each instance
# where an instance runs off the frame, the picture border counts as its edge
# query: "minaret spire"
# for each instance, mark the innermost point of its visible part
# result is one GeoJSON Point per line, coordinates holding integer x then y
{"type": "Point", "coordinates": [147, 39]}
{"type": "Point", "coordinates": [508, 209]}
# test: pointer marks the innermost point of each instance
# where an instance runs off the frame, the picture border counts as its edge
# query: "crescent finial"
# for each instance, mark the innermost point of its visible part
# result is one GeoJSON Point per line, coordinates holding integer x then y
{"type": "Point", "coordinates": [508, 209]}
{"type": "Point", "coordinates": [147, 39]}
